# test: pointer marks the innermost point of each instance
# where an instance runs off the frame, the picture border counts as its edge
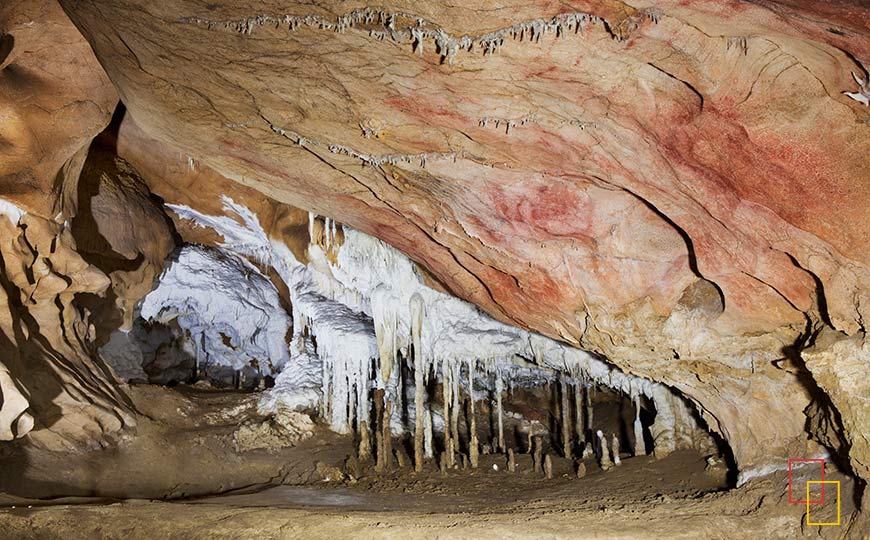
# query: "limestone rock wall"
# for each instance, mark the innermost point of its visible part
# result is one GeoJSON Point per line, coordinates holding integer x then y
{"type": "Point", "coordinates": [81, 239]}
{"type": "Point", "coordinates": [680, 187]}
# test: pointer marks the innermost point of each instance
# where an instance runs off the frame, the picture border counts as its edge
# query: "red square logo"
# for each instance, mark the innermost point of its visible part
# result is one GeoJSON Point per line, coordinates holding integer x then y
{"type": "Point", "coordinates": [821, 463]}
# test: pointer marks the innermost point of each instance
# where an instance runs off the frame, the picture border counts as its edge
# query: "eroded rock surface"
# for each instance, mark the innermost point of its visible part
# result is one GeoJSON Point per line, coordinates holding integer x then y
{"type": "Point", "coordinates": [54, 98]}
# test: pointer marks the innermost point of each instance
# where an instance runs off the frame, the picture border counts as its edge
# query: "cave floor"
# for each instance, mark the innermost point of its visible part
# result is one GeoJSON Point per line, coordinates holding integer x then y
{"type": "Point", "coordinates": [157, 485]}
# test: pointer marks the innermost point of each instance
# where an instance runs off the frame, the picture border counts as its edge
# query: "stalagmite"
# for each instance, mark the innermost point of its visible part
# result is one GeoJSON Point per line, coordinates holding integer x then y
{"type": "Point", "coordinates": [427, 434]}
{"type": "Point", "coordinates": [379, 431]}
{"type": "Point", "coordinates": [566, 418]}
{"type": "Point", "coordinates": [512, 460]}
{"type": "Point", "coordinates": [499, 389]}
{"type": "Point", "coordinates": [454, 409]}
{"type": "Point", "coordinates": [365, 445]}
{"type": "Point", "coordinates": [604, 460]}
{"type": "Point", "coordinates": [548, 467]}
{"type": "Point", "coordinates": [363, 410]}
{"type": "Point", "coordinates": [537, 453]}
{"type": "Point", "coordinates": [614, 448]}
{"type": "Point", "coordinates": [400, 458]}
{"type": "Point", "coordinates": [351, 410]}
{"type": "Point", "coordinates": [387, 435]}
{"type": "Point", "coordinates": [473, 448]}
{"type": "Point", "coordinates": [588, 397]}
{"type": "Point", "coordinates": [447, 395]}
{"type": "Point", "coordinates": [588, 452]}
{"type": "Point", "coordinates": [639, 445]}
{"type": "Point", "coordinates": [416, 331]}
{"type": "Point", "coordinates": [581, 470]}
{"type": "Point", "coordinates": [580, 419]}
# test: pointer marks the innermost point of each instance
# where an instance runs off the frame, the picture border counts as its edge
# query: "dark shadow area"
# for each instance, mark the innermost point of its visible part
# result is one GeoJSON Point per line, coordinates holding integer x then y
{"type": "Point", "coordinates": [7, 43]}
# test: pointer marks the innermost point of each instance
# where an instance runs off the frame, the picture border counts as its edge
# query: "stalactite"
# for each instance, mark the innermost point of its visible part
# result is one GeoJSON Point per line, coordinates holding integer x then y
{"type": "Point", "coordinates": [566, 417]}
{"type": "Point", "coordinates": [473, 448]}
{"type": "Point", "coordinates": [416, 332]}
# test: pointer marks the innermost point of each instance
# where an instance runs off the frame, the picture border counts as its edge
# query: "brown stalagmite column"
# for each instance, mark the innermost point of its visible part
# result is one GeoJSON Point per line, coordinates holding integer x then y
{"type": "Point", "coordinates": [605, 461]}
{"type": "Point", "coordinates": [579, 417]}
{"type": "Point", "coordinates": [614, 448]}
{"type": "Point", "coordinates": [447, 397]}
{"type": "Point", "coordinates": [588, 395]}
{"type": "Point", "coordinates": [351, 409]}
{"type": "Point", "coordinates": [499, 390]}
{"type": "Point", "coordinates": [473, 448]}
{"type": "Point", "coordinates": [566, 418]}
{"type": "Point", "coordinates": [454, 410]}
{"type": "Point", "coordinates": [365, 444]}
{"type": "Point", "coordinates": [363, 413]}
{"type": "Point", "coordinates": [379, 431]}
{"type": "Point", "coordinates": [387, 436]}
{"type": "Point", "coordinates": [416, 330]}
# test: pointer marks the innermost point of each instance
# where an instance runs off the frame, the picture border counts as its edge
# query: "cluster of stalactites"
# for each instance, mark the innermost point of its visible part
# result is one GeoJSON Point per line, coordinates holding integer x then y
{"type": "Point", "coordinates": [383, 25]}
{"type": "Point", "coordinates": [364, 392]}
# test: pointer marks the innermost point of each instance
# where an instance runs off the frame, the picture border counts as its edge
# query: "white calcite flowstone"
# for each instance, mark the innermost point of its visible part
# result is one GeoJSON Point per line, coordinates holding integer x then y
{"type": "Point", "coordinates": [297, 387]}
{"type": "Point", "coordinates": [231, 311]}
{"type": "Point", "coordinates": [359, 305]}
